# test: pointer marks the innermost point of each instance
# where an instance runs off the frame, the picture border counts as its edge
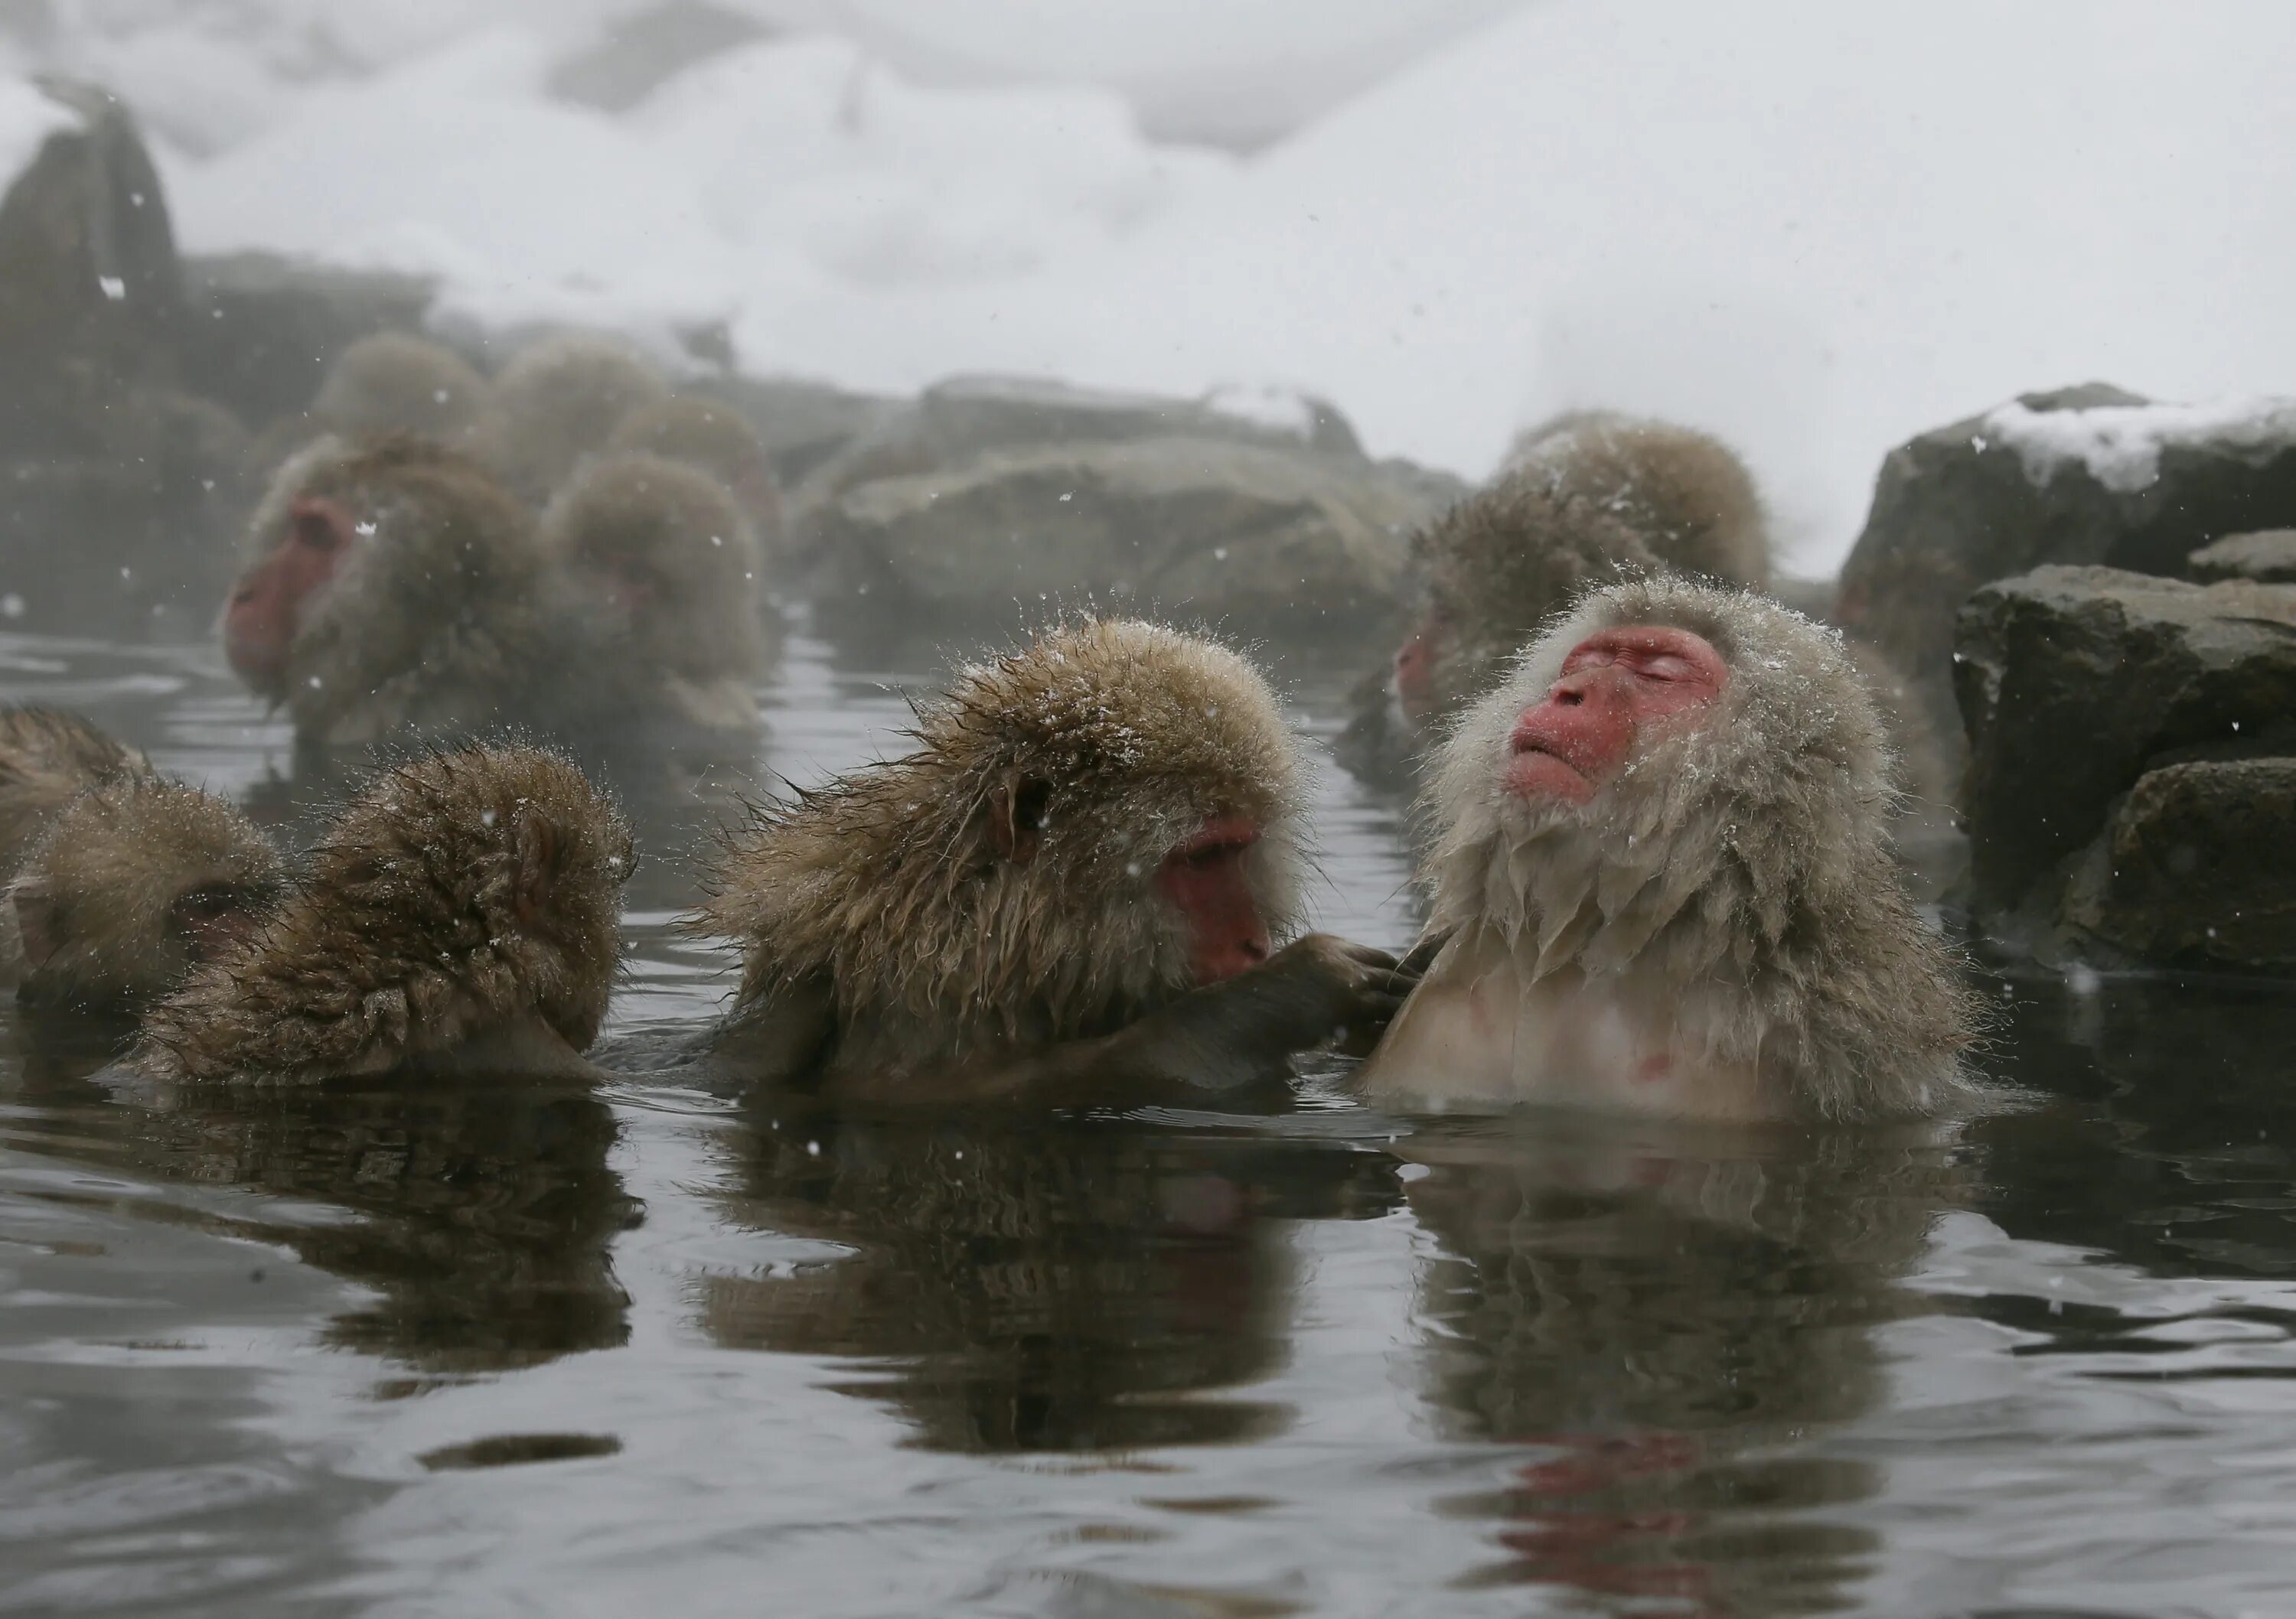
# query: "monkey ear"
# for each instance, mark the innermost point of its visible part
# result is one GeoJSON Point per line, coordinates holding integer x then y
{"type": "Point", "coordinates": [1016, 817]}
{"type": "Point", "coordinates": [535, 873]}
{"type": "Point", "coordinates": [36, 920]}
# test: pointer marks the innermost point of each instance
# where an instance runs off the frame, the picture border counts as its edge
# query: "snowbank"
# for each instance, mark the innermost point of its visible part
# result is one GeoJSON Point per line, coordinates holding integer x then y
{"type": "Point", "coordinates": [2120, 445]}
{"type": "Point", "coordinates": [1816, 229]}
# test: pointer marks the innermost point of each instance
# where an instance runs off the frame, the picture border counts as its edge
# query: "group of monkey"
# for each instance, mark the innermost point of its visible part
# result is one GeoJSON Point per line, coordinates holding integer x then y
{"type": "Point", "coordinates": [1658, 862]}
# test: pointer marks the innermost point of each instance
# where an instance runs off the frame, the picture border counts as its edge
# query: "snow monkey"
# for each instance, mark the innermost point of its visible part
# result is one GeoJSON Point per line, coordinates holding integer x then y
{"type": "Point", "coordinates": [1584, 500]}
{"type": "Point", "coordinates": [713, 436]}
{"type": "Point", "coordinates": [558, 401]}
{"type": "Point", "coordinates": [135, 882]}
{"type": "Point", "coordinates": [1073, 885]}
{"type": "Point", "coordinates": [395, 381]}
{"type": "Point", "coordinates": [1664, 878]}
{"type": "Point", "coordinates": [461, 915]}
{"type": "Point", "coordinates": [663, 569]}
{"type": "Point", "coordinates": [46, 760]}
{"type": "Point", "coordinates": [390, 584]}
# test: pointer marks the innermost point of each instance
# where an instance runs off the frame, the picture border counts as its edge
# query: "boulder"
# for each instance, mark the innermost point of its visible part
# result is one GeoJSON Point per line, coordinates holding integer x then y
{"type": "Point", "coordinates": [988, 498]}
{"type": "Point", "coordinates": [2078, 687]}
{"type": "Point", "coordinates": [1242, 533]}
{"type": "Point", "coordinates": [2268, 557]}
{"type": "Point", "coordinates": [91, 291]}
{"type": "Point", "coordinates": [2196, 865]}
{"type": "Point", "coordinates": [803, 424]}
{"type": "Point", "coordinates": [2089, 475]}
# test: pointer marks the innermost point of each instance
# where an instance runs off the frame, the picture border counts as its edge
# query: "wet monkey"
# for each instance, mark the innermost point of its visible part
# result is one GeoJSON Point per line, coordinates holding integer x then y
{"type": "Point", "coordinates": [1076, 882]}
{"type": "Point", "coordinates": [662, 569]}
{"type": "Point", "coordinates": [713, 437]}
{"type": "Point", "coordinates": [48, 758]}
{"type": "Point", "coordinates": [390, 584]}
{"type": "Point", "coordinates": [557, 402]}
{"type": "Point", "coordinates": [135, 882]}
{"type": "Point", "coordinates": [398, 381]}
{"type": "Point", "coordinates": [1663, 878]}
{"type": "Point", "coordinates": [461, 915]}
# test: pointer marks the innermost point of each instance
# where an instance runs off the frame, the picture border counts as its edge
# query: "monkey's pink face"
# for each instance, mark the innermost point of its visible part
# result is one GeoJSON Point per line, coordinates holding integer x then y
{"type": "Point", "coordinates": [1209, 880]}
{"type": "Point", "coordinates": [1571, 743]}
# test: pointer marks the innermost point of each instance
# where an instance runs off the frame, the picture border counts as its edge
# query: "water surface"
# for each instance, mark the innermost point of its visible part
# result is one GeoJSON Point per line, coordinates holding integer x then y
{"type": "Point", "coordinates": [513, 1350]}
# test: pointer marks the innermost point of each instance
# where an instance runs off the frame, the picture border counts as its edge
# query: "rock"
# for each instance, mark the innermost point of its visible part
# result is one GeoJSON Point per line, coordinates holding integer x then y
{"type": "Point", "coordinates": [2089, 475]}
{"type": "Point", "coordinates": [2267, 556]}
{"type": "Point", "coordinates": [803, 424]}
{"type": "Point", "coordinates": [2196, 866]}
{"type": "Point", "coordinates": [91, 293]}
{"type": "Point", "coordinates": [1244, 533]}
{"type": "Point", "coordinates": [264, 329]}
{"type": "Point", "coordinates": [955, 421]}
{"type": "Point", "coordinates": [2080, 684]}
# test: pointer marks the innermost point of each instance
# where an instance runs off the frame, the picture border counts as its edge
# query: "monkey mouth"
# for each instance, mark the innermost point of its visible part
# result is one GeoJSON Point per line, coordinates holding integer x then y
{"type": "Point", "coordinates": [1536, 770]}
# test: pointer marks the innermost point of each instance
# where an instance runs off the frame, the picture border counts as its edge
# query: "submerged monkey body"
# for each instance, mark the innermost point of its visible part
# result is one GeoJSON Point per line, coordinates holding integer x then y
{"type": "Point", "coordinates": [1716, 926]}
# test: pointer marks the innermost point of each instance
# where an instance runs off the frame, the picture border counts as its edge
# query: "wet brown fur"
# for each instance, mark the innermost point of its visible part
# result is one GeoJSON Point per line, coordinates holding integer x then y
{"type": "Point", "coordinates": [701, 636]}
{"type": "Point", "coordinates": [1585, 499]}
{"type": "Point", "coordinates": [47, 759]}
{"type": "Point", "coordinates": [432, 619]}
{"type": "Point", "coordinates": [714, 436]}
{"type": "Point", "coordinates": [462, 897]}
{"type": "Point", "coordinates": [395, 381]}
{"type": "Point", "coordinates": [93, 916]}
{"type": "Point", "coordinates": [558, 401]}
{"type": "Point", "coordinates": [1109, 743]}
{"type": "Point", "coordinates": [1739, 869]}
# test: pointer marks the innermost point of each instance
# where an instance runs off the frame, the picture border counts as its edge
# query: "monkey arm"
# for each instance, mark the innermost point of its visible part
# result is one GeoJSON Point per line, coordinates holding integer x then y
{"type": "Point", "coordinates": [1315, 990]}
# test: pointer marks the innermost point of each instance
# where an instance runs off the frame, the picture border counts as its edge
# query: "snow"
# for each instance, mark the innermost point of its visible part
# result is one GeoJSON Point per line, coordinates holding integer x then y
{"type": "Point", "coordinates": [1816, 229]}
{"type": "Point", "coordinates": [26, 120]}
{"type": "Point", "coordinates": [2120, 445]}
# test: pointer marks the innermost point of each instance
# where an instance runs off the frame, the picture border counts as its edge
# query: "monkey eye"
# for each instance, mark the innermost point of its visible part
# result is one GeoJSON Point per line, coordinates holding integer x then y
{"type": "Point", "coordinates": [201, 903]}
{"type": "Point", "coordinates": [313, 527]}
{"type": "Point", "coordinates": [1666, 666]}
{"type": "Point", "coordinates": [1203, 857]}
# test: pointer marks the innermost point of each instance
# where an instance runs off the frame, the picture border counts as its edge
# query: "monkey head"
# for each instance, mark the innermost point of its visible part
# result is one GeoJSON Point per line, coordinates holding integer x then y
{"type": "Point", "coordinates": [1497, 564]}
{"type": "Point", "coordinates": [558, 401]}
{"type": "Point", "coordinates": [1087, 828]}
{"type": "Point", "coordinates": [463, 897]}
{"type": "Point", "coordinates": [395, 381]}
{"type": "Point", "coordinates": [1658, 738]}
{"type": "Point", "coordinates": [663, 563]}
{"type": "Point", "coordinates": [714, 436]}
{"type": "Point", "coordinates": [364, 560]}
{"type": "Point", "coordinates": [139, 881]}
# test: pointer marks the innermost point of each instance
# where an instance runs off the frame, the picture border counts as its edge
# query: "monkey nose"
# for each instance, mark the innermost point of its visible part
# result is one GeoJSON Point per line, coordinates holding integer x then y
{"type": "Point", "coordinates": [1255, 949]}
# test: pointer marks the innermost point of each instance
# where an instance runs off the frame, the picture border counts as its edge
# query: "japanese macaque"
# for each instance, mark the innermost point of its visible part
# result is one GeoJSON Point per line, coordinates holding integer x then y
{"type": "Point", "coordinates": [559, 401]}
{"type": "Point", "coordinates": [1587, 499]}
{"type": "Point", "coordinates": [389, 585]}
{"type": "Point", "coordinates": [1076, 881]}
{"type": "Point", "coordinates": [713, 436]}
{"type": "Point", "coordinates": [1664, 878]}
{"type": "Point", "coordinates": [46, 760]}
{"type": "Point", "coordinates": [663, 568]}
{"type": "Point", "coordinates": [136, 881]}
{"type": "Point", "coordinates": [395, 381]}
{"type": "Point", "coordinates": [461, 916]}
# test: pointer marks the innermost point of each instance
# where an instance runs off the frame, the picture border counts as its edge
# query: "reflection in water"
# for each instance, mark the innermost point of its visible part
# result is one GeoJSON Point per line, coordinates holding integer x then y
{"type": "Point", "coordinates": [1667, 1316]}
{"type": "Point", "coordinates": [480, 1214]}
{"type": "Point", "coordinates": [1039, 1283]}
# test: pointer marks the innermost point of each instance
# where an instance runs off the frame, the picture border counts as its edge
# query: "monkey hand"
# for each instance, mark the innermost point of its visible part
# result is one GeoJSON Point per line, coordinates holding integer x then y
{"type": "Point", "coordinates": [1315, 991]}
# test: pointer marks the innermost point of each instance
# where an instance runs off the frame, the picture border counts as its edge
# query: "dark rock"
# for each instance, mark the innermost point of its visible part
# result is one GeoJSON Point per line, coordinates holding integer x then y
{"type": "Point", "coordinates": [91, 292]}
{"type": "Point", "coordinates": [2196, 866]}
{"type": "Point", "coordinates": [2267, 556]}
{"type": "Point", "coordinates": [989, 497]}
{"type": "Point", "coordinates": [2089, 475]}
{"type": "Point", "coordinates": [263, 330]}
{"type": "Point", "coordinates": [2079, 684]}
{"type": "Point", "coordinates": [1241, 533]}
